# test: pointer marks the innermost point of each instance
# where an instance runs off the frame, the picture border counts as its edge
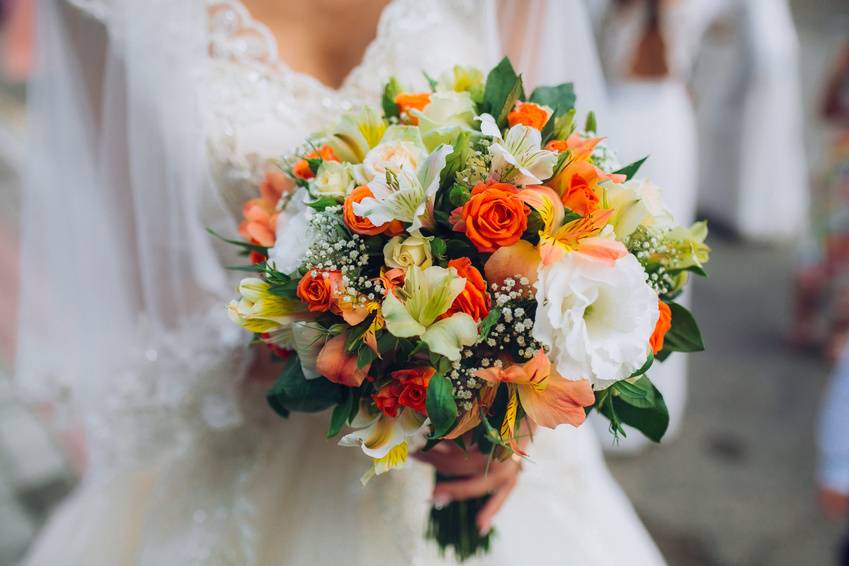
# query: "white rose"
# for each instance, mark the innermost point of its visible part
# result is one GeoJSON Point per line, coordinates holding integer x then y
{"type": "Point", "coordinates": [333, 179]}
{"type": "Point", "coordinates": [393, 156]}
{"type": "Point", "coordinates": [595, 318]}
{"type": "Point", "coordinates": [636, 202]}
{"type": "Point", "coordinates": [404, 253]}
{"type": "Point", "coordinates": [294, 235]}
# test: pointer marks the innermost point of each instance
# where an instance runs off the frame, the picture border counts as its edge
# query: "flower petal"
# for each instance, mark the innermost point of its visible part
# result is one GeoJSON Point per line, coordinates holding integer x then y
{"type": "Point", "coordinates": [561, 401]}
{"type": "Point", "coordinates": [449, 335]}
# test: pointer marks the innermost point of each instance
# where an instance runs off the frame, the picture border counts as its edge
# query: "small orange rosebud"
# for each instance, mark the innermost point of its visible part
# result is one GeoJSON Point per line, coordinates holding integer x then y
{"type": "Point", "coordinates": [664, 323]}
{"type": "Point", "coordinates": [316, 290]}
{"type": "Point", "coordinates": [529, 114]}
{"type": "Point", "coordinates": [407, 101]}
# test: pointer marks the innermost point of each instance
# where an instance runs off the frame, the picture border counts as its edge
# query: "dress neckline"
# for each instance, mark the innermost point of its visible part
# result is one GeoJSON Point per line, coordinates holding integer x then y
{"type": "Point", "coordinates": [240, 26]}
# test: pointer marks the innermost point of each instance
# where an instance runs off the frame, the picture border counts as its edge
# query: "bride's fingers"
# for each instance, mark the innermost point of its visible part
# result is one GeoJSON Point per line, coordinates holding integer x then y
{"type": "Point", "coordinates": [470, 488]}
{"type": "Point", "coordinates": [493, 506]}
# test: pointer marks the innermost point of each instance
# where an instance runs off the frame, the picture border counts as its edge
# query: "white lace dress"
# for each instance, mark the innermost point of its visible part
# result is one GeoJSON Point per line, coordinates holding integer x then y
{"type": "Point", "coordinates": [206, 474]}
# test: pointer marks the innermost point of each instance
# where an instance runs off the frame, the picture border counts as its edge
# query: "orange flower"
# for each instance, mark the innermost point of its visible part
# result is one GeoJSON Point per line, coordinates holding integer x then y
{"type": "Point", "coordinates": [473, 300]}
{"type": "Point", "coordinates": [316, 290]}
{"type": "Point", "coordinates": [579, 195]}
{"type": "Point", "coordinates": [260, 222]}
{"type": "Point", "coordinates": [391, 278]}
{"type": "Point", "coordinates": [339, 366]}
{"type": "Point", "coordinates": [529, 114]}
{"type": "Point", "coordinates": [494, 216]}
{"type": "Point", "coordinates": [558, 146]}
{"type": "Point", "coordinates": [386, 398]}
{"type": "Point", "coordinates": [361, 225]}
{"type": "Point", "coordinates": [664, 323]}
{"type": "Point", "coordinates": [272, 187]}
{"type": "Point", "coordinates": [302, 169]}
{"type": "Point", "coordinates": [407, 101]}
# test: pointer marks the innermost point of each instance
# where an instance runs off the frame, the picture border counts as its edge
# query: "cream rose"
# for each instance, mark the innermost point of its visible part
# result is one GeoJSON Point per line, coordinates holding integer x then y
{"type": "Point", "coordinates": [407, 252]}
{"type": "Point", "coordinates": [333, 179]}
{"type": "Point", "coordinates": [393, 156]}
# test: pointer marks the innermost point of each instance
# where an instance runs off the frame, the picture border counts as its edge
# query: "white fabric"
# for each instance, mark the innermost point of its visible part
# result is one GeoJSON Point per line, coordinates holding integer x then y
{"type": "Point", "coordinates": [189, 466]}
{"type": "Point", "coordinates": [832, 440]}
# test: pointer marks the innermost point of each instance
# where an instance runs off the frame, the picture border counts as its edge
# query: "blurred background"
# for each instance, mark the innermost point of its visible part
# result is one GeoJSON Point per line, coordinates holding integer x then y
{"type": "Point", "coordinates": [736, 483]}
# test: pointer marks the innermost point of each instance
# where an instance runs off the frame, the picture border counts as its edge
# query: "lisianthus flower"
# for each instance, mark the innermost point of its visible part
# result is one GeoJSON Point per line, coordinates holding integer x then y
{"type": "Point", "coordinates": [595, 318]}
{"type": "Point", "coordinates": [385, 439]}
{"type": "Point", "coordinates": [407, 197]}
{"type": "Point", "coordinates": [518, 158]}
{"type": "Point", "coordinates": [529, 114]}
{"type": "Point", "coordinates": [415, 310]}
{"type": "Point", "coordinates": [258, 310]}
{"type": "Point", "coordinates": [294, 235]}
{"type": "Point", "coordinates": [548, 399]}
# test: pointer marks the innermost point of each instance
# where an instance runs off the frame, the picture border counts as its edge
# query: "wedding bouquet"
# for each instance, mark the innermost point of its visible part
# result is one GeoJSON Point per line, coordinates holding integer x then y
{"type": "Point", "coordinates": [463, 265]}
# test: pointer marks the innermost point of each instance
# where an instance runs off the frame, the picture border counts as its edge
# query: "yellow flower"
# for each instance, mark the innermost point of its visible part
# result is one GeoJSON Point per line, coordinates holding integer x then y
{"type": "Point", "coordinates": [258, 310]}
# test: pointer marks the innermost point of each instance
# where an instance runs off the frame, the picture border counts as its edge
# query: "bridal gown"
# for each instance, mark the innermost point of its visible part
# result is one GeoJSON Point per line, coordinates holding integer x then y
{"type": "Point", "coordinates": [187, 465]}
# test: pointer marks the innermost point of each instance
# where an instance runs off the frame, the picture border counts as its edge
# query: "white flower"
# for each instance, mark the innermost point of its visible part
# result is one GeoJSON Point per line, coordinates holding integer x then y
{"type": "Point", "coordinates": [393, 156]}
{"type": "Point", "coordinates": [406, 196]}
{"type": "Point", "coordinates": [333, 179]}
{"type": "Point", "coordinates": [635, 203]}
{"type": "Point", "coordinates": [294, 235]}
{"type": "Point", "coordinates": [406, 252]}
{"type": "Point", "coordinates": [596, 319]}
{"type": "Point", "coordinates": [518, 159]}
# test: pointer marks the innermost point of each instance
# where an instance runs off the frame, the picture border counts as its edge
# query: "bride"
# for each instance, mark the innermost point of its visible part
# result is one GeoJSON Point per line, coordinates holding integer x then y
{"type": "Point", "coordinates": [154, 120]}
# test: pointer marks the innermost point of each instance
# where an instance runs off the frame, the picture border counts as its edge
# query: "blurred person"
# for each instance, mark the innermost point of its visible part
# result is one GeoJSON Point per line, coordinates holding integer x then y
{"type": "Point", "coordinates": [17, 39]}
{"type": "Point", "coordinates": [154, 120]}
{"type": "Point", "coordinates": [648, 48]}
{"type": "Point", "coordinates": [833, 443]}
{"type": "Point", "coordinates": [749, 112]}
{"type": "Point", "coordinates": [821, 307]}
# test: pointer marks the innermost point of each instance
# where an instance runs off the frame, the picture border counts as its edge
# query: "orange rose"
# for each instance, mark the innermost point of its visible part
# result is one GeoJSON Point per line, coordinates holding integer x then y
{"type": "Point", "coordinates": [580, 195]}
{"type": "Point", "coordinates": [664, 323]}
{"type": "Point", "coordinates": [529, 114]}
{"type": "Point", "coordinates": [414, 382]}
{"type": "Point", "coordinates": [407, 101]}
{"type": "Point", "coordinates": [361, 225]}
{"type": "Point", "coordinates": [316, 290]}
{"type": "Point", "coordinates": [494, 216]}
{"type": "Point", "coordinates": [302, 168]}
{"type": "Point", "coordinates": [391, 278]}
{"type": "Point", "coordinates": [474, 300]}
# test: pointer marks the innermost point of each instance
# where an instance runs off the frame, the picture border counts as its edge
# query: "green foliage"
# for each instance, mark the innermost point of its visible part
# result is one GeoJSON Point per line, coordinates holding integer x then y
{"type": "Point", "coordinates": [631, 169]}
{"type": "Point", "coordinates": [322, 203]}
{"type": "Point", "coordinates": [646, 366]}
{"type": "Point", "coordinates": [387, 101]}
{"type": "Point", "coordinates": [488, 323]}
{"type": "Point", "coordinates": [293, 392]}
{"type": "Point", "coordinates": [455, 160]}
{"type": "Point", "coordinates": [637, 403]}
{"type": "Point", "coordinates": [245, 245]}
{"type": "Point", "coordinates": [365, 356]}
{"type": "Point", "coordinates": [684, 335]}
{"type": "Point", "coordinates": [459, 195]}
{"type": "Point", "coordinates": [341, 414]}
{"type": "Point", "coordinates": [591, 126]}
{"type": "Point", "coordinates": [438, 247]}
{"type": "Point", "coordinates": [560, 98]}
{"type": "Point", "coordinates": [503, 88]}
{"type": "Point", "coordinates": [441, 407]}
{"type": "Point", "coordinates": [431, 82]}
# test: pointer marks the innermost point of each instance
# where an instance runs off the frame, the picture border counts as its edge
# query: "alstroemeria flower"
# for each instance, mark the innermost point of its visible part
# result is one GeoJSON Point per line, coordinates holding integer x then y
{"type": "Point", "coordinates": [518, 158]}
{"type": "Point", "coordinates": [258, 310]}
{"type": "Point", "coordinates": [406, 196]}
{"type": "Point", "coordinates": [385, 439]}
{"type": "Point", "coordinates": [636, 203]}
{"type": "Point", "coordinates": [547, 205]}
{"type": "Point", "coordinates": [356, 133]}
{"type": "Point", "coordinates": [689, 245]}
{"type": "Point", "coordinates": [445, 115]}
{"type": "Point", "coordinates": [415, 309]}
{"type": "Point", "coordinates": [548, 399]}
{"type": "Point", "coordinates": [585, 235]}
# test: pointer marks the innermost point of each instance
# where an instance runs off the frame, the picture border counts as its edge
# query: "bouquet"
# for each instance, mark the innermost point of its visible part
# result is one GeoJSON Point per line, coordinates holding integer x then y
{"type": "Point", "coordinates": [462, 265]}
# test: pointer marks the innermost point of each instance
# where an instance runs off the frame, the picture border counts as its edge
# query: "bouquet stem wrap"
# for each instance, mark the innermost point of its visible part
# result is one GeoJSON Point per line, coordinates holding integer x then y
{"type": "Point", "coordinates": [453, 526]}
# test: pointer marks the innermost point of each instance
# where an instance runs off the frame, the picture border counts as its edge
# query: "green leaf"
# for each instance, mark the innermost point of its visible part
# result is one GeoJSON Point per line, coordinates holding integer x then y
{"type": "Point", "coordinates": [390, 91]}
{"type": "Point", "coordinates": [441, 407]}
{"type": "Point", "coordinates": [684, 335]}
{"type": "Point", "coordinates": [646, 366]}
{"type": "Point", "coordinates": [570, 216]}
{"type": "Point", "coordinates": [314, 163]}
{"type": "Point", "coordinates": [322, 203]}
{"type": "Point", "coordinates": [458, 195]}
{"type": "Point", "coordinates": [487, 323]}
{"type": "Point", "coordinates": [591, 126]}
{"type": "Point", "coordinates": [245, 245]}
{"type": "Point", "coordinates": [430, 81]}
{"type": "Point", "coordinates": [639, 393]}
{"type": "Point", "coordinates": [630, 170]}
{"type": "Point", "coordinates": [460, 248]}
{"type": "Point", "coordinates": [293, 392]}
{"type": "Point", "coordinates": [455, 160]}
{"type": "Point", "coordinates": [365, 356]}
{"type": "Point", "coordinates": [340, 416]}
{"type": "Point", "coordinates": [503, 88]}
{"type": "Point", "coordinates": [560, 98]}
{"type": "Point", "coordinates": [438, 247]}
{"type": "Point", "coordinates": [652, 422]}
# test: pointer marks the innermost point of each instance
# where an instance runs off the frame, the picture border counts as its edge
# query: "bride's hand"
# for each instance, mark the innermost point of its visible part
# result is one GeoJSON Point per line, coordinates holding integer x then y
{"type": "Point", "coordinates": [478, 477]}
